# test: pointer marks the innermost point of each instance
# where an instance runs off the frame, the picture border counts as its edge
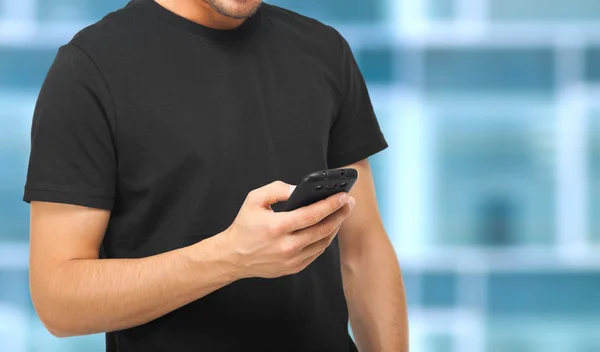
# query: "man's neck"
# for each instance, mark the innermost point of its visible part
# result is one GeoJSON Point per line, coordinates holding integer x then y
{"type": "Point", "coordinates": [200, 12]}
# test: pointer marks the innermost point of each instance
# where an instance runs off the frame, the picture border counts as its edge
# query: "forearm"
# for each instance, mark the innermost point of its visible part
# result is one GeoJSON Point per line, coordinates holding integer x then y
{"type": "Point", "coordinates": [87, 296]}
{"type": "Point", "coordinates": [376, 299]}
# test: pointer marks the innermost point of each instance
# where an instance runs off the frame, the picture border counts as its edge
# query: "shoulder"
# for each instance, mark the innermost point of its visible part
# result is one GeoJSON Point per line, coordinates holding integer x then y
{"type": "Point", "coordinates": [303, 27]}
{"type": "Point", "coordinates": [119, 29]}
{"type": "Point", "coordinates": [291, 19]}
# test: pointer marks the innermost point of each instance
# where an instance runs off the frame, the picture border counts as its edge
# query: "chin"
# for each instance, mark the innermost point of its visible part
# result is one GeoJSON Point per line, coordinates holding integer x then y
{"type": "Point", "coordinates": [235, 8]}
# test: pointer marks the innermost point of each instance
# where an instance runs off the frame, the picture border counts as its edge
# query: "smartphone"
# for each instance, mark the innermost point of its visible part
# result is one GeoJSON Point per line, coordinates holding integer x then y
{"type": "Point", "coordinates": [320, 185]}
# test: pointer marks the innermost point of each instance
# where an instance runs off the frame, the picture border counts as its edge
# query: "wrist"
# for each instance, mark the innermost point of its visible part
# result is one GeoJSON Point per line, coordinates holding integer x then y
{"type": "Point", "coordinates": [220, 252]}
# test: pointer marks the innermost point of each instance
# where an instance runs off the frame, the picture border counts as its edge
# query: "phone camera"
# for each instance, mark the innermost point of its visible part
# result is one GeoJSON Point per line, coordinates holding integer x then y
{"type": "Point", "coordinates": [342, 174]}
{"type": "Point", "coordinates": [331, 186]}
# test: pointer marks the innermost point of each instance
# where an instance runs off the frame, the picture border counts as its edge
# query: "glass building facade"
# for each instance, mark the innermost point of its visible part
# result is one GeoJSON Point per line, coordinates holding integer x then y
{"type": "Point", "coordinates": [490, 189]}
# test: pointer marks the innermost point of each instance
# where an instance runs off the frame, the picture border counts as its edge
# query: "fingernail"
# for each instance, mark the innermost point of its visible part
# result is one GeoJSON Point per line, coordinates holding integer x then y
{"type": "Point", "coordinates": [352, 202]}
{"type": "Point", "coordinates": [292, 188]}
{"type": "Point", "coordinates": [344, 198]}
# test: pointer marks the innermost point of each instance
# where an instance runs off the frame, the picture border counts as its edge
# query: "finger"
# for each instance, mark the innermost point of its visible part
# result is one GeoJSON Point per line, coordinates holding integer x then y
{"type": "Point", "coordinates": [305, 263]}
{"type": "Point", "coordinates": [321, 245]}
{"type": "Point", "coordinates": [312, 214]}
{"type": "Point", "coordinates": [323, 229]}
{"type": "Point", "coordinates": [270, 194]}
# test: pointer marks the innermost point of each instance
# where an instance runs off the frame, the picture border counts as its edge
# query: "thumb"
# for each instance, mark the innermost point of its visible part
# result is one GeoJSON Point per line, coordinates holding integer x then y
{"type": "Point", "coordinates": [272, 193]}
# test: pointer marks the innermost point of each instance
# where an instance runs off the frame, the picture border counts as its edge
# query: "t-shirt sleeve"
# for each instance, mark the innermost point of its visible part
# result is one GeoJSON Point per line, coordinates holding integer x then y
{"type": "Point", "coordinates": [355, 133]}
{"type": "Point", "coordinates": [72, 156]}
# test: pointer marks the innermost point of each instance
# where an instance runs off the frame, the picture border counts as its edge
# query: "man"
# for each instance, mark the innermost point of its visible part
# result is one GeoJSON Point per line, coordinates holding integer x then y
{"type": "Point", "coordinates": [154, 135]}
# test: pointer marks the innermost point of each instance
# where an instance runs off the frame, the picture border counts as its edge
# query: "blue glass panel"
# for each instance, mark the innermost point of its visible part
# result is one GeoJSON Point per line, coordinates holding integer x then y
{"type": "Point", "coordinates": [594, 176]}
{"type": "Point", "coordinates": [592, 64]}
{"type": "Point", "coordinates": [377, 65]}
{"type": "Point", "coordinates": [567, 293]}
{"type": "Point", "coordinates": [544, 10]}
{"type": "Point", "coordinates": [15, 122]}
{"type": "Point", "coordinates": [493, 70]}
{"type": "Point", "coordinates": [94, 7]}
{"type": "Point", "coordinates": [335, 10]}
{"type": "Point", "coordinates": [439, 343]}
{"type": "Point", "coordinates": [438, 290]}
{"type": "Point", "coordinates": [24, 68]}
{"type": "Point", "coordinates": [76, 10]}
{"type": "Point", "coordinates": [412, 284]}
{"type": "Point", "coordinates": [18, 281]}
{"type": "Point", "coordinates": [543, 334]}
{"type": "Point", "coordinates": [441, 9]}
{"type": "Point", "coordinates": [14, 213]}
{"type": "Point", "coordinates": [379, 167]}
{"type": "Point", "coordinates": [494, 186]}
{"type": "Point", "coordinates": [63, 11]}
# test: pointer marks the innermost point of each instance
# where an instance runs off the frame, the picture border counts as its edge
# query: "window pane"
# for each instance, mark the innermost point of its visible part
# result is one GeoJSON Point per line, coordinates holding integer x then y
{"type": "Point", "coordinates": [594, 176]}
{"type": "Point", "coordinates": [441, 9]}
{"type": "Point", "coordinates": [15, 126]}
{"type": "Point", "coordinates": [494, 183]}
{"type": "Point", "coordinates": [76, 10]}
{"type": "Point", "coordinates": [24, 67]}
{"type": "Point", "coordinates": [438, 290]}
{"type": "Point", "coordinates": [439, 343]}
{"type": "Point", "coordinates": [592, 64]}
{"type": "Point", "coordinates": [544, 334]}
{"type": "Point", "coordinates": [95, 7]}
{"type": "Point", "coordinates": [412, 285]}
{"type": "Point", "coordinates": [544, 10]}
{"type": "Point", "coordinates": [17, 280]}
{"type": "Point", "coordinates": [336, 11]}
{"type": "Point", "coordinates": [377, 65]}
{"type": "Point", "coordinates": [545, 294]}
{"type": "Point", "coordinates": [491, 70]}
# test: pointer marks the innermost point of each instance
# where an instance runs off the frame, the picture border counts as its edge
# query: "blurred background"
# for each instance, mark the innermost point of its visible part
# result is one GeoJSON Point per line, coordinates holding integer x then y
{"type": "Point", "coordinates": [490, 189]}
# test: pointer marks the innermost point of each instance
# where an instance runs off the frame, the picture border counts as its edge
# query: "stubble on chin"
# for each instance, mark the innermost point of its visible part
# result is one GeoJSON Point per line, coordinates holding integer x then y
{"type": "Point", "coordinates": [221, 7]}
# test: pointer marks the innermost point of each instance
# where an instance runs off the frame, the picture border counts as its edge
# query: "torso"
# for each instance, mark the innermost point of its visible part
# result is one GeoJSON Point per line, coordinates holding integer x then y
{"type": "Point", "coordinates": [199, 124]}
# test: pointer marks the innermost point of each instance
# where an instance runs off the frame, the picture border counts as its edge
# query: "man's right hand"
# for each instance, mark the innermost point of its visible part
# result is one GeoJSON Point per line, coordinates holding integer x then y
{"type": "Point", "coordinates": [268, 244]}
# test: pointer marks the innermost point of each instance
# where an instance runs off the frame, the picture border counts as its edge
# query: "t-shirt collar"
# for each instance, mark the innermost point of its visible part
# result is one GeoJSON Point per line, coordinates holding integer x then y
{"type": "Point", "coordinates": [216, 35]}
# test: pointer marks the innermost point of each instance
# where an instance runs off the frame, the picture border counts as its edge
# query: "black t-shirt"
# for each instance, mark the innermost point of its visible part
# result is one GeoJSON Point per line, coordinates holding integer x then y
{"type": "Point", "coordinates": [170, 124]}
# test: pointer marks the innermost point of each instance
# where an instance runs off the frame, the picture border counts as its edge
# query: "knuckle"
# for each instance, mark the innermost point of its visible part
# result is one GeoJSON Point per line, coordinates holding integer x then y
{"type": "Point", "coordinates": [299, 267]}
{"type": "Point", "coordinates": [275, 228]}
{"type": "Point", "coordinates": [296, 262]}
{"type": "Point", "coordinates": [278, 187]}
{"type": "Point", "coordinates": [252, 195]}
{"type": "Point", "coordinates": [283, 226]}
{"type": "Point", "coordinates": [289, 264]}
{"type": "Point", "coordinates": [309, 261]}
{"type": "Point", "coordinates": [288, 248]}
{"type": "Point", "coordinates": [271, 229]}
{"type": "Point", "coordinates": [319, 253]}
{"type": "Point", "coordinates": [324, 244]}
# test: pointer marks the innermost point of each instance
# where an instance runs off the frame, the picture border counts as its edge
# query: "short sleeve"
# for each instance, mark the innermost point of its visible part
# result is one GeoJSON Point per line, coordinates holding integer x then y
{"type": "Point", "coordinates": [72, 156]}
{"type": "Point", "coordinates": [355, 134]}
